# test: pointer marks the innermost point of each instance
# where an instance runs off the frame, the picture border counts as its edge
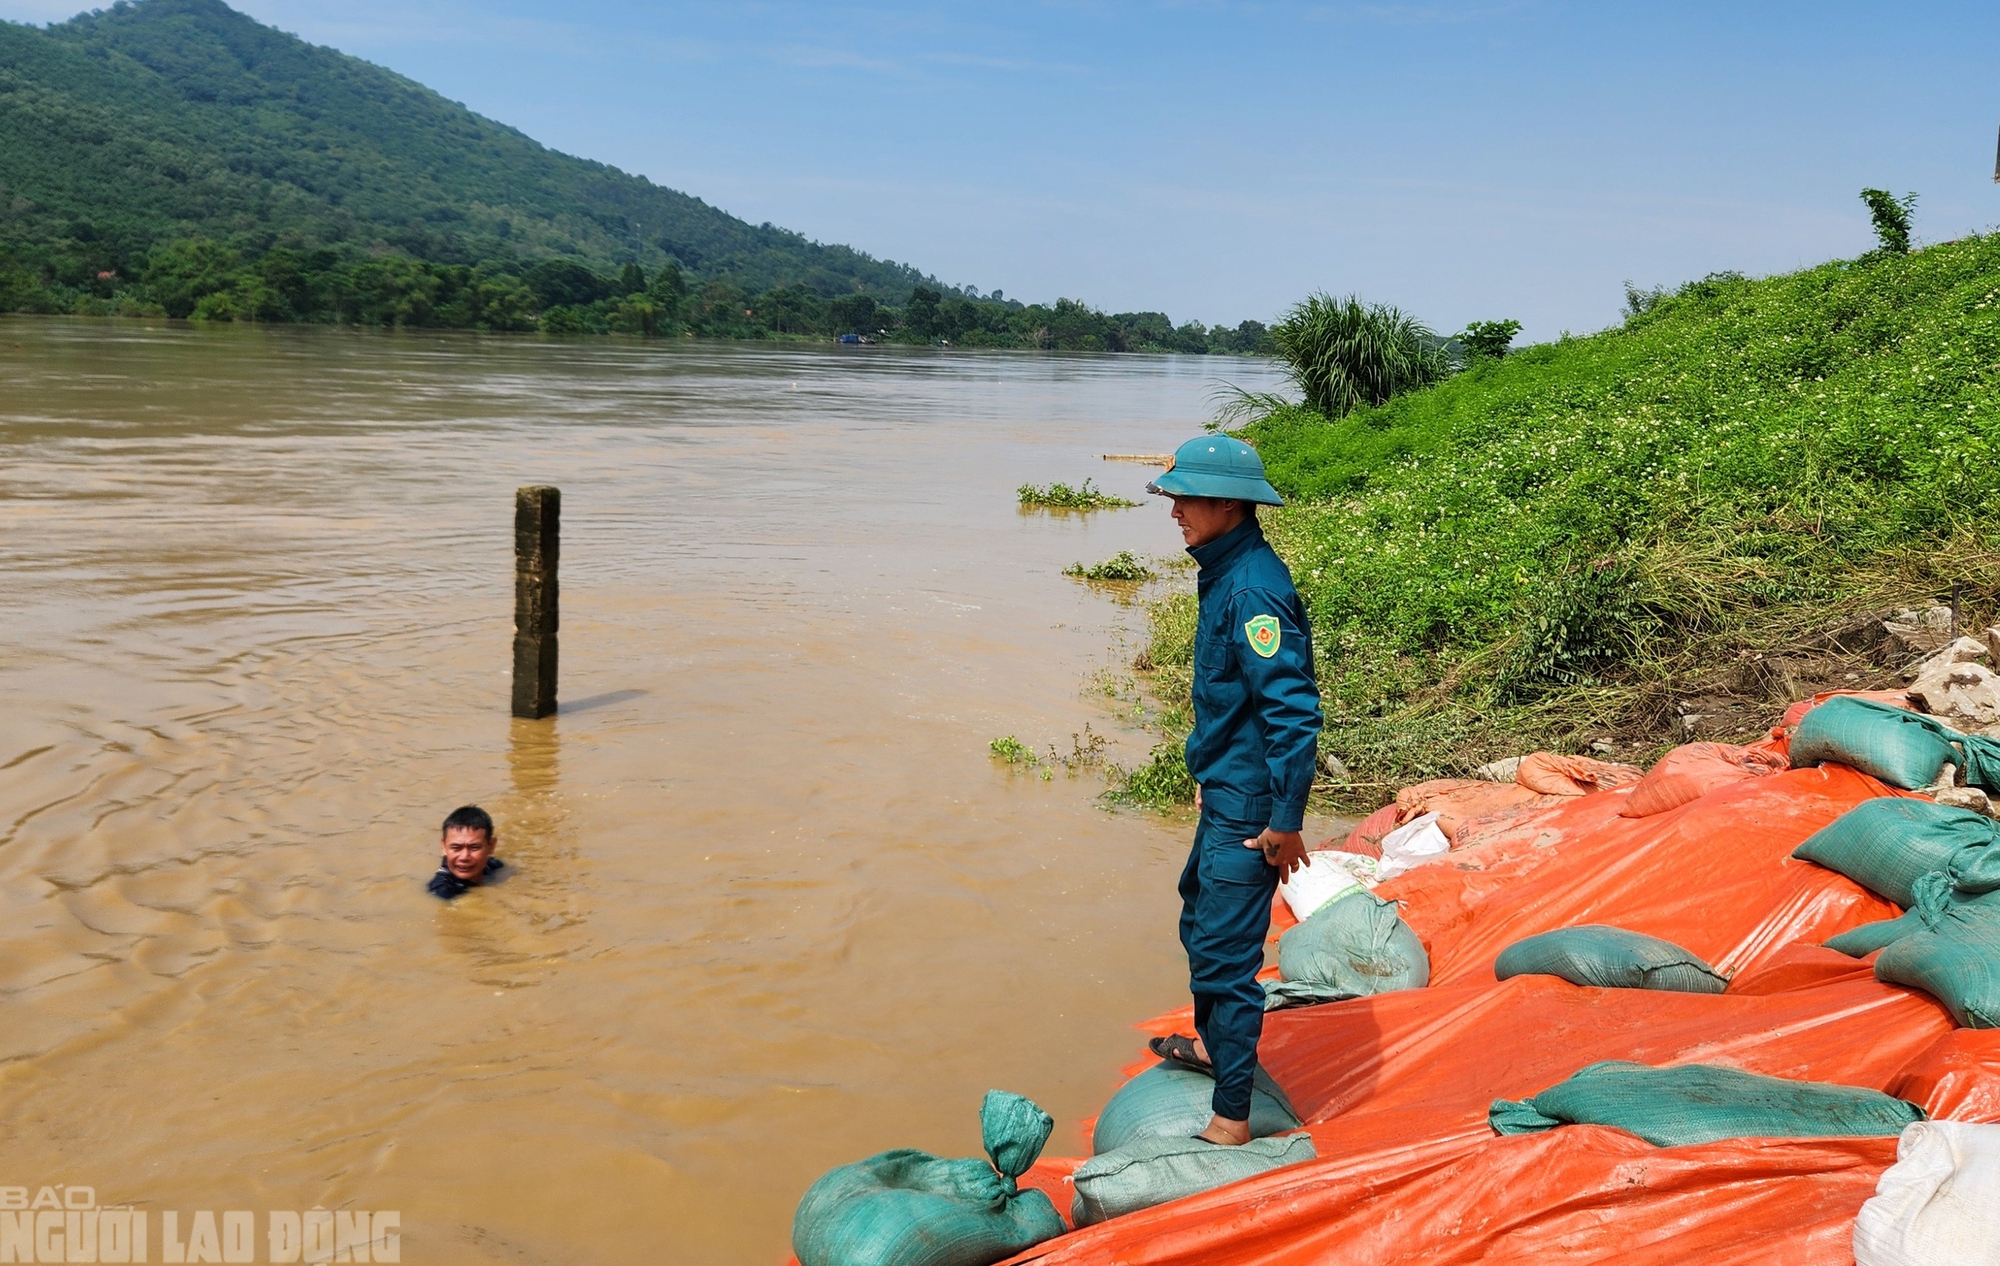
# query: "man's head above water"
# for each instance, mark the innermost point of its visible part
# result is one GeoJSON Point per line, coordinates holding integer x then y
{"type": "Point", "coordinates": [467, 841]}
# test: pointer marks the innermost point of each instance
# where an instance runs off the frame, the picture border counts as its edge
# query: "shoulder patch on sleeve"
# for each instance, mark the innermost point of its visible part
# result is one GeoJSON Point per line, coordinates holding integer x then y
{"type": "Point", "coordinates": [1264, 634]}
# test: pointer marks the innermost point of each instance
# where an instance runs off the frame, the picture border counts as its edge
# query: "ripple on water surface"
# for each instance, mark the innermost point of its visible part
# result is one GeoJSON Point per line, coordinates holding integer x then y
{"type": "Point", "coordinates": [771, 907]}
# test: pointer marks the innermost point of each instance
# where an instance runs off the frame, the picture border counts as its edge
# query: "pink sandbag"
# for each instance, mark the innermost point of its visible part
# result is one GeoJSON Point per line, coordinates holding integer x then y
{"type": "Point", "coordinates": [1459, 802]}
{"type": "Point", "coordinates": [1692, 771]}
{"type": "Point", "coordinates": [1552, 774]}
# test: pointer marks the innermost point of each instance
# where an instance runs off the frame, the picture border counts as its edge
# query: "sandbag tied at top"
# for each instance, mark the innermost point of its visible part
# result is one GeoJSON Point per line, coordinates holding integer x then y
{"type": "Point", "coordinates": [1865, 940]}
{"type": "Point", "coordinates": [1171, 1101]}
{"type": "Point", "coordinates": [1354, 947]}
{"type": "Point", "coordinates": [909, 1208]}
{"type": "Point", "coordinates": [1904, 749]}
{"type": "Point", "coordinates": [1154, 1171]}
{"type": "Point", "coordinates": [1610, 958]}
{"type": "Point", "coordinates": [1702, 1103]}
{"type": "Point", "coordinates": [1937, 905]}
{"type": "Point", "coordinates": [1953, 951]}
{"type": "Point", "coordinates": [1886, 845]}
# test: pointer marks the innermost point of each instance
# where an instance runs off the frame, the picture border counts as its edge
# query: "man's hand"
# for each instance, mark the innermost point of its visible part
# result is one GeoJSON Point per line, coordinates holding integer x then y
{"type": "Point", "coordinates": [1284, 849]}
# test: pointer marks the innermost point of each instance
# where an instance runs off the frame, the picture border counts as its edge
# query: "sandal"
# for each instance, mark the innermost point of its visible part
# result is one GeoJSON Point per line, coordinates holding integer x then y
{"type": "Point", "coordinates": [1180, 1050]}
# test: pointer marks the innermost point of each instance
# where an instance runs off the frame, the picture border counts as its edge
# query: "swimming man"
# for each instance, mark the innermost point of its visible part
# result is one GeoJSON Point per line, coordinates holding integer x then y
{"type": "Point", "coordinates": [467, 842]}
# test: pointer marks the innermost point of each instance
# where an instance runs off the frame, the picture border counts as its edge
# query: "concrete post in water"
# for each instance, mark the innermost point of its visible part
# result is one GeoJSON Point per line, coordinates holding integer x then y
{"type": "Point", "coordinates": [537, 544]}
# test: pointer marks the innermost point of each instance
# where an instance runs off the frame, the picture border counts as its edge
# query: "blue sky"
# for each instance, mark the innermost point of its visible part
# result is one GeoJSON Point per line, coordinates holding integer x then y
{"type": "Point", "coordinates": [1218, 161]}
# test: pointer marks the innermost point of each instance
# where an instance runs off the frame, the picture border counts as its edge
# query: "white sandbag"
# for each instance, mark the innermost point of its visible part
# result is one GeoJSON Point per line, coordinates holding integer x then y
{"type": "Point", "coordinates": [1940, 1201]}
{"type": "Point", "coordinates": [1326, 874]}
{"type": "Point", "coordinates": [1410, 845]}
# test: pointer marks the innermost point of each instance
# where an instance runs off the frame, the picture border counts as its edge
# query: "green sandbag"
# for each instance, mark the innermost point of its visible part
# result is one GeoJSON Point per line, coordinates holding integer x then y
{"type": "Point", "coordinates": [1953, 952]}
{"type": "Point", "coordinates": [1975, 871]}
{"type": "Point", "coordinates": [1171, 1101]}
{"type": "Point", "coordinates": [1610, 958]}
{"type": "Point", "coordinates": [1904, 749]}
{"type": "Point", "coordinates": [1355, 946]}
{"type": "Point", "coordinates": [1936, 903]}
{"type": "Point", "coordinates": [1701, 1103]}
{"type": "Point", "coordinates": [1154, 1171]}
{"type": "Point", "coordinates": [909, 1208]}
{"type": "Point", "coordinates": [1887, 844]}
{"type": "Point", "coordinates": [1958, 964]}
{"type": "Point", "coordinates": [1865, 940]}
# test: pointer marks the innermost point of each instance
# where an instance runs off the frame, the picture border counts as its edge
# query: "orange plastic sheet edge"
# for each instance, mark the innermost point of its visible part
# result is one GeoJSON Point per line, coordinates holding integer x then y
{"type": "Point", "coordinates": [1577, 1194]}
{"type": "Point", "coordinates": [1395, 1096]}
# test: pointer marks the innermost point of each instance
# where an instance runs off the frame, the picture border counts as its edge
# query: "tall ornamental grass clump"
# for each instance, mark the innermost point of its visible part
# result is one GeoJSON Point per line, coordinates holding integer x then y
{"type": "Point", "coordinates": [1345, 355]}
{"type": "Point", "coordinates": [1545, 543]}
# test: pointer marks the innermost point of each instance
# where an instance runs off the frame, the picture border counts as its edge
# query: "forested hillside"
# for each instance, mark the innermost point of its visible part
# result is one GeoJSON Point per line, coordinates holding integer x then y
{"type": "Point", "coordinates": [177, 157]}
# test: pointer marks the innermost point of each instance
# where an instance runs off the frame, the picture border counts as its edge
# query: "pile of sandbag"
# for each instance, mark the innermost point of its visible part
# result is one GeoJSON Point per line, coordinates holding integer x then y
{"type": "Point", "coordinates": [1941, 864]}
{"type": "Point", "coordinates": [1616, 1017]}
{"type": "Point", "coordinates": [1145, 1153]}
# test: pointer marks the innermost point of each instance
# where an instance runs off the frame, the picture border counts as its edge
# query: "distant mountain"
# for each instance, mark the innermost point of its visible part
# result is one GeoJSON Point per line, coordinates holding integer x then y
{"type": "Point", "coordinates": [165, 119]}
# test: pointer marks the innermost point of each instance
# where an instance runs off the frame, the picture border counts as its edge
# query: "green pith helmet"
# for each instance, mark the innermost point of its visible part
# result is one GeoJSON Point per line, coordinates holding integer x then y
{"type": "Point", "coordinates": [1217, 466]}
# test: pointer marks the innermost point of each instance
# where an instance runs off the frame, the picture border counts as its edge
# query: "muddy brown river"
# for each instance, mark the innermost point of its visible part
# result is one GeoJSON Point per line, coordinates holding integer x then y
{"type": "Point", "coordinates": [771, 906]}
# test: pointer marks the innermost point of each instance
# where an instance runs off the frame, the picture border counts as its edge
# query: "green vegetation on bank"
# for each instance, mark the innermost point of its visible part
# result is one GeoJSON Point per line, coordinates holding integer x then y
{"type": "Point", "coordinates": [1563, 542]}
{"type": "Point", "coordinates": [174, 157]}
{"type": "Point", "coordinates": [1060, 496]}
{"type": "Point", "coordinates": [1122, 566]}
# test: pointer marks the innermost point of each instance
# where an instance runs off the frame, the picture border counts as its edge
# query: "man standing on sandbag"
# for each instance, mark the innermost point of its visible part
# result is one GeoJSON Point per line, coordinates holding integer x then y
{"type": "Point", "coordinates": [1256, 735]}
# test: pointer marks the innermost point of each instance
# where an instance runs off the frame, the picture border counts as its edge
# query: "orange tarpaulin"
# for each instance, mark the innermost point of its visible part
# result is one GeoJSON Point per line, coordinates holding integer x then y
{"type": "Point", "coordinates": [1395, 1089]}
{"type": "Point", "coordinates": [1366, 837]}
{"type": "Point", "coordinates": [1714, 876]}
{"type": "Point", "coordinates": [1459, 802]}
{"type": "Point", "coordinates": [1449, 1052]}
{"type": "Point", "coordinates": [1578, 1194]}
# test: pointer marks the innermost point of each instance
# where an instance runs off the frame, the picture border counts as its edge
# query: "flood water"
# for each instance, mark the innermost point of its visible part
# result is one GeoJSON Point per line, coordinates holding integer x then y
{"type": "Point", "coordinates": [770, 907]}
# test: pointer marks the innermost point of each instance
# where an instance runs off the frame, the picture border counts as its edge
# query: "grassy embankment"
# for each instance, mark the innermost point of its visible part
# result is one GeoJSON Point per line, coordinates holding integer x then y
{"type": "Point", "coordinates": [1574, 542]}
